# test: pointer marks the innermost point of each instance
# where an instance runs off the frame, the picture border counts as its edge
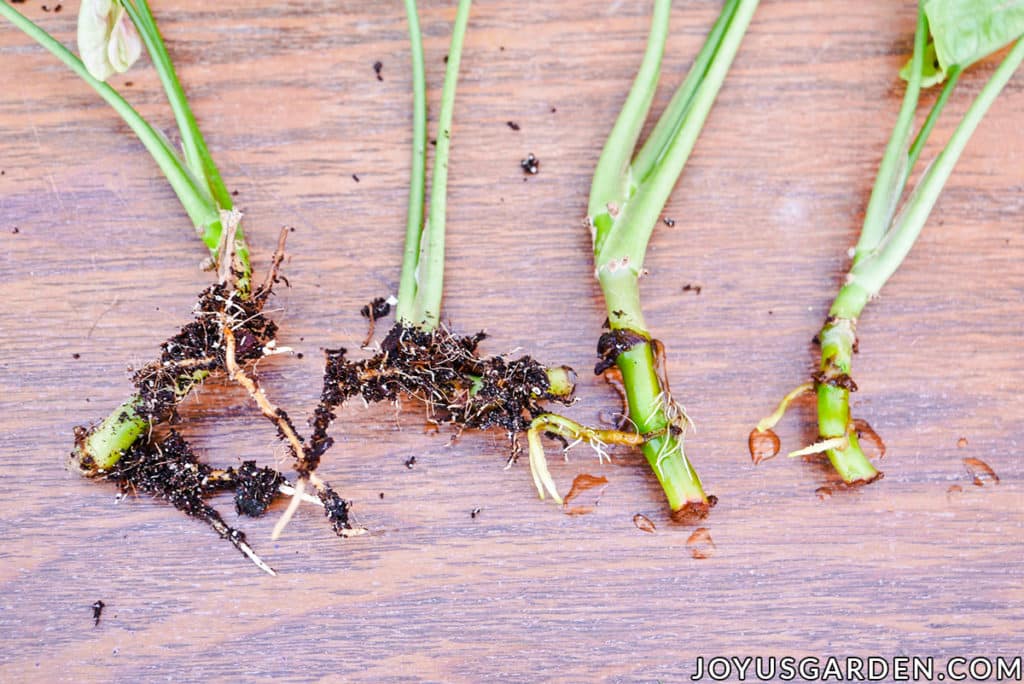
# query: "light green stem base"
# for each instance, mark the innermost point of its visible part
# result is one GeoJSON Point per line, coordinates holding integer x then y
{"type": "Point", "coordinates": [838, 338]}
{"type": "Point", "coordinates": [647, 399]}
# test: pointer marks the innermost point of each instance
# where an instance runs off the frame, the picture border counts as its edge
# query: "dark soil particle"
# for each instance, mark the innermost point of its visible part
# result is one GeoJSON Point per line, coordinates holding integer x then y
{"type": "Point", "coordinates": [336, 510]}
{"type": "Point", "coordinates": [76, 355]}
{"type": "Point", "coordinates": [377, 66]}
{"type": "Point", "coordinates": [513, 125]}
{"type": "Point", "coordinates": [530, 165]}
{"type": "Point", "coordinates": [670, 222]}
{"type": "Point", "coordinates": [97, 611]}
{"type": "Point", "coordinates": [613, 343]}
{"type": "Point", "coordinates": [355, 178]}
{"type": "Point", "coordinates": [376, 309]}
{"type": "Point", "coordinates": [475, 512]}
{"type": "Point", "coordinates": [15, 230]}
{"type": "Point", "coordinates": [410, 462]}
{"type": "Point", "coordinates": [256, 489]}
{"type": "Point", "coordinates": [691, 287]}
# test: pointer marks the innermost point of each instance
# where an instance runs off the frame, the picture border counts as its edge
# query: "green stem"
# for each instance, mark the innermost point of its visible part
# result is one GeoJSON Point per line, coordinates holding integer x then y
{"type": "Point", "coordinates": [873, 272]}
{"type": "Point", "coordinates": [638, 215]}
{"type": "Point", "coordinates": [197, 155]}
{"type": "Point", "coordinates": [838, 339]}
{"type": "Point", "coordinates": [404, 311]}
{"type": "Point", "coordinates": [624, 213]}
{"type": "Point", "coordinates": [201, 211]}
{"type": "Point", "coordinates": [952, 76]}
{"type": "Point", "coordinates": [612, 176]}
{"type": "Point", "coordinates": [878, 257]}
{"type": "Point", "coordinates": [894, 169]}
{"type": "Point", "coordinates": [647, 398]}
{"type": "Point", "coordinates": [431, 264]}
{"type": "Point", "coordinates": [672, 119]}
{"type": "Point", "coordinates": [99, 448]}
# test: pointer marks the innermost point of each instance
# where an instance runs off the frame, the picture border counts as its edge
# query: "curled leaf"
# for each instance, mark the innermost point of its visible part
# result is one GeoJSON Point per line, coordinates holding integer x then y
{"type": "Point", "coordinates": [965, 31]}
{"type": "Point", "coordinates": [107, 39]}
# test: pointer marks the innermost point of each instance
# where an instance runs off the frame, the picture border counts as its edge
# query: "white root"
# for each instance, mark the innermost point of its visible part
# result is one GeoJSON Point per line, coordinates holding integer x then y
{"type": "Point", "coordinates": [821, 447]}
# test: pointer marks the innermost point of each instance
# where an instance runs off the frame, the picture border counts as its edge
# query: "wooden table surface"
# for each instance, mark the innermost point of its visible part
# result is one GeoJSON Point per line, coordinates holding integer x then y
{"type": "Point", "coordinates": [104, 265]}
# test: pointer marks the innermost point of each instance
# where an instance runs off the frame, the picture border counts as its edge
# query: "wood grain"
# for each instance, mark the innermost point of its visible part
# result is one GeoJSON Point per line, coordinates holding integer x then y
{"type": "Point", "coordinates": [104, 266]}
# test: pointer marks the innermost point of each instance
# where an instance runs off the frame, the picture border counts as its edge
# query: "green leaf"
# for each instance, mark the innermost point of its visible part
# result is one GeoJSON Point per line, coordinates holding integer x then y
{"type": "Point", "coordinates": [965, 31]}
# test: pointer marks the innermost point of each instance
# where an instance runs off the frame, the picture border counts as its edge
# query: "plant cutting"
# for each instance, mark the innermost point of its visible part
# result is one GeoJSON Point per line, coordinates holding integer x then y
{"type": "Point", "coordinates": [419, 357]}
{"type": "Point", "coordinates": [229, 331]}
{"type": "Point", "coordinates": [951, 35]}
{"type": "Point", "coordinates": [629, 191]}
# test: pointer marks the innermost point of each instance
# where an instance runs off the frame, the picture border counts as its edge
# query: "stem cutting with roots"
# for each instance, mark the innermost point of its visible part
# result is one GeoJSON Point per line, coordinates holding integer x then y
{"type": "Point", "coordinates": [229, 335]}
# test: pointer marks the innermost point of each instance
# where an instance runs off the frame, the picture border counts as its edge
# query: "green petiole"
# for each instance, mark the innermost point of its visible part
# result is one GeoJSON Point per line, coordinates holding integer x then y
{"type": "Point", "coordinates": [422, 279]}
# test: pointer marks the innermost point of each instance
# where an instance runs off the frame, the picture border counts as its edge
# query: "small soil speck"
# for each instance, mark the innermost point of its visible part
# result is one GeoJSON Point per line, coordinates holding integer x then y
{"type": "Point", "coordinates": [554, 110]}
{"type": "Point", "coordinates": [670, 222]}
{"type": "Point", "coordinates": [97, 611]}
{"type": "Point", "coordinates": [700, 544]}
{"type": "Point", "coordinates": [513, 125]}
{"type": "Point", "coordinates": [953, 490]}
{"type": "Point", "coordinates": [377, 66]}
{"type": "Point", "coordinates": [382, 495]}
{"type": "Point", "coordinates": [378, 308]}
{"type": "Point", "coordinates": [299, 355]}
{"type": "Point", "coordinates": [355, 178]}
{"type": "Point", "coordinates": [643, 523]}
{"type": "Point", "coordinates": [475, 512]}
{"type": "Point", "coordinates": [410, 462]}
{"type": "Point", "coordinates": [823, 493]}
{"type": "Point", "coordinates": [961, 443]}
{"type": "Point", "coordinates": [15, 230]}
{"type": "Point", "coordinates": [692, 287]}
{"type": "Point", "coordinates": [76, 355]}
{"type": "Point", "coordinates": [530, 165]}
{"type": "Point", "coordinates": [763, 445]}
